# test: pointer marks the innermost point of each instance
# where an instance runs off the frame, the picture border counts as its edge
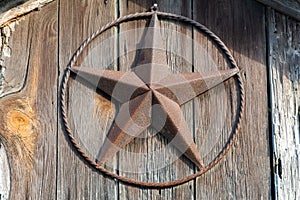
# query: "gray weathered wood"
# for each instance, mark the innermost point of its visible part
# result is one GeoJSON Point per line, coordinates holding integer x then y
{"type": "Point", "coordinates": [244, 173]}
{"type": "Point", "coordinates": [26, 114]}
{"type": "Point", "coordinates": [284, 73]}
{"type": "Point", "coordinates": [90, 114]}
{"type": "Point", "coordinates": [288, 7]}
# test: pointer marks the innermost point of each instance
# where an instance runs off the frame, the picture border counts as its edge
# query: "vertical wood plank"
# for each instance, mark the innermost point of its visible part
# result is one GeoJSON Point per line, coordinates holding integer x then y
{"type": "Point", "coordinates": [89, 113]}
{"type": "Point", "coordinates": [29, 117]}
{"type": "Point", "coordinates": [284, 73]}
{"type": "Point", "coordinates": [176, 42]}
{"type": "Point", "coordinates": [244, 173]}
{"type": "Point", "coordinates": [129, 41]}
{"type": "Point", "coordinates": [45, 100]}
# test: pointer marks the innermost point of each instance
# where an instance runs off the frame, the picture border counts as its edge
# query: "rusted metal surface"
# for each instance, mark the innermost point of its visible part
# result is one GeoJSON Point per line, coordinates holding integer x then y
{"type": "Point", "coordinates": [150, 95]}
{"type": "Point", "coordinates": [133, 118]}
{"type": "Point", "coordinates": [121, 86]}
{"type": "Point", "coordinates": [183, 87]}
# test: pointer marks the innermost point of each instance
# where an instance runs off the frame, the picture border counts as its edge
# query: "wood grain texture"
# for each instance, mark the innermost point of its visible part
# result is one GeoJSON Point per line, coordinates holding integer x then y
{"type": "Point", "coordinates": [244, 173]}
{"type": "Point", "coordinates": [284, 68]}
{"type": "Point", "coordinates": [31, 146]}
{"type": "Point", "coordinates": [288, 7]}
{"type": "Point", "coordinates": [43, 42]}
{"type": "Point", "coordinates": [90, 114]}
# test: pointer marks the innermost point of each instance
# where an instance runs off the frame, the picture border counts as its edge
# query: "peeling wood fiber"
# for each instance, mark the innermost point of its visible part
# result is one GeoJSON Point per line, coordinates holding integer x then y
{"type": "Point", "coordinates": [5, 52]}
{"type": "Point", "coordinates": [284, 69]}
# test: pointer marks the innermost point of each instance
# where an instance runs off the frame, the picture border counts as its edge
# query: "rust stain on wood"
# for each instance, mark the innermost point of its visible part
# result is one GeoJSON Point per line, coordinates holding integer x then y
{"type": "Point", "coordinates": [103, 106]}
{"type": "Point", "coordinates": [104, 110]}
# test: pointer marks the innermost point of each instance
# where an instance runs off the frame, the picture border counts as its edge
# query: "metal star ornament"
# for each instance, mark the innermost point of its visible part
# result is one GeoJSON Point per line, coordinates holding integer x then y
{"type": "Point", "coordinates": [148, 84]}
{"type": "Point", "coordinates": [150, 95]}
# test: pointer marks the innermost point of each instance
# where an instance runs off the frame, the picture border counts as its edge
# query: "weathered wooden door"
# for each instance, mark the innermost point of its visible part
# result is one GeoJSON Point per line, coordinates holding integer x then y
{"type": "Point", "coordinates": [35, 50]}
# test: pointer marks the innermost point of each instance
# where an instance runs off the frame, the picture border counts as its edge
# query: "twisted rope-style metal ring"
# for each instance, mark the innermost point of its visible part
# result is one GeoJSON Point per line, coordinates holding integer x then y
{"type": "Point", "coordinates": [136, 16]}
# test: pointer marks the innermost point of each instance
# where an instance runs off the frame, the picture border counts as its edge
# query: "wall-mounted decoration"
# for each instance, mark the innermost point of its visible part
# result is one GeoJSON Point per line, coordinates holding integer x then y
{"type": "Point", "coordinates": [150, 95]}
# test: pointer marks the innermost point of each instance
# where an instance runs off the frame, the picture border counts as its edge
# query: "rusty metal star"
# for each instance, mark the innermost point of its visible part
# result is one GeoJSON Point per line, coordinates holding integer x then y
{"type": "Point", "coordinates": [151, 83]}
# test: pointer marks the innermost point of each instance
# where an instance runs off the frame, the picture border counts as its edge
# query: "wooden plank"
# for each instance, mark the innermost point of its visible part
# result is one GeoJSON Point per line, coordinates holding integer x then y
{"type": "Point", "coordinates": [129, 41]}
{"type": "Point", "coordinates": [90, 114]}
{"type": "Point", "coordinates": [284, 68]}
{"type": "Point", "coordinates": [10, 13]}
{"type": "Point", "coordinates": [155, 167]}
{"type": "Point", "coordinates": [288, 7]}
{"type": "Point", "coordinates": [130, 35]}
{"type": "Point", "coordinates": [30, 145]}
{"type": "Point", "coordinates": [244, 173]}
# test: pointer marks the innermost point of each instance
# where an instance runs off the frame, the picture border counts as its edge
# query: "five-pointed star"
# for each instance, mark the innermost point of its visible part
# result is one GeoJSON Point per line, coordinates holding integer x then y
{"type": "Point", "coordinates": [150, 83]}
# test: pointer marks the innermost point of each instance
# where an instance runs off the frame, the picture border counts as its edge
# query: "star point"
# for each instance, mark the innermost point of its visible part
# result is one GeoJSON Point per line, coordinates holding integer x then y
{"type": "Point", "coordinates": [151, 65]}
{"type": "Point", "coordinates": [186, 86]}
{"type": "Point", "coordinates": [179, 133]}
{"type": "Point", "coordinates": [119, 85]}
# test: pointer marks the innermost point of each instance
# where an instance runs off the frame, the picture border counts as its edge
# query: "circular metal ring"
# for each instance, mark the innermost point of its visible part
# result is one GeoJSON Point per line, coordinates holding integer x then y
{"type": "Point", "coordinates": [136, 16]}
